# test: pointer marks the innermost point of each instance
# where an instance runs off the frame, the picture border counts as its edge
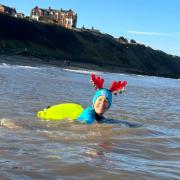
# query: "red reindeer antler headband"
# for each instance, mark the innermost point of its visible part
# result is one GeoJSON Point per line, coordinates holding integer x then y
{"type": "Point", "coordinates": [116, 87]}
{"type": "Point", "coordinates": [97, 81]}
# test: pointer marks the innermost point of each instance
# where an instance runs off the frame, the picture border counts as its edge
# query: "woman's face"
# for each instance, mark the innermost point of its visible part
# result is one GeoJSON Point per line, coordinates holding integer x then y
{"type": "Point", "coordinates": [101, 105]}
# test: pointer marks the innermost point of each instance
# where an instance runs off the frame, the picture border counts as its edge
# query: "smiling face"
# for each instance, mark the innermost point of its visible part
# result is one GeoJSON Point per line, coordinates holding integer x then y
{"type": "Point", "coordinates": [101, 105]}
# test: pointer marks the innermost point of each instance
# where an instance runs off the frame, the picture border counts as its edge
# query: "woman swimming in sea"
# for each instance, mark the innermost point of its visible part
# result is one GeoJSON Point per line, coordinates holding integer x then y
{"type": "Point", "coordinates": [102, 100]}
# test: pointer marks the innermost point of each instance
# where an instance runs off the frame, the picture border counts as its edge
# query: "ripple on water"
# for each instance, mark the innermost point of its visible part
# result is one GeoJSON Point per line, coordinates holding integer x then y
{"type": "Point", "coordinates": [143, 143]}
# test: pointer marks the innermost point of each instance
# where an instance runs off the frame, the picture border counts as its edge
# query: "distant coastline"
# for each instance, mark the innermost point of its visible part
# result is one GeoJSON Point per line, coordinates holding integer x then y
{"type": "Point", "coordinates": [37, 62]}
{"type": "Point", "coordinates": [40, 43]}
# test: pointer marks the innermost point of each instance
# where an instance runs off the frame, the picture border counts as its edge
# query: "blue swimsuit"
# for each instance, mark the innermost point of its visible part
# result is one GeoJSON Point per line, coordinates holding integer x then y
{"type": "Point", "coordinates": [88, 116]}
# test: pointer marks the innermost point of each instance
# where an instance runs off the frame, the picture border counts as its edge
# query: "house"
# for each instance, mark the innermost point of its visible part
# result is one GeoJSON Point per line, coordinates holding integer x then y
{"type": "Point", "coordinates": [20, 15]}
{"type": "Point", "coordinates": [67, 19]}
{"type": "Point", "coordinates": [7, 10]}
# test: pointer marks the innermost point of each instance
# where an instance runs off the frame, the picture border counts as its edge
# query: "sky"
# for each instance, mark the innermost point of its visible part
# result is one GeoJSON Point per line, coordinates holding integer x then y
{"type": "Point", "coordinates": [154, 23]}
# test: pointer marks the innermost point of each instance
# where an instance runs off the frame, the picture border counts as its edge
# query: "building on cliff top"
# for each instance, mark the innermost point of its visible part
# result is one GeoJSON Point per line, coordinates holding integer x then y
{"type": "Point", "coordinates": [7, 10]}
{"type": "Point", "coordinates": [67, 19]}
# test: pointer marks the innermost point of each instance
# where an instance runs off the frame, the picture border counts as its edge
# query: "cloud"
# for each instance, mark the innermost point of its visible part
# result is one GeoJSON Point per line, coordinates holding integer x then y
{"type": "Point", "coordinates": [153, 33]}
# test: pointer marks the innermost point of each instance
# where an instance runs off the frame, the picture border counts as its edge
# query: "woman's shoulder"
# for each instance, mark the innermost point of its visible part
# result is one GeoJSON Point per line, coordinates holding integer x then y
{"type": "Point", "coordinates": [89, 109]}
{"type": "Point", "coordinates": [87, 116]}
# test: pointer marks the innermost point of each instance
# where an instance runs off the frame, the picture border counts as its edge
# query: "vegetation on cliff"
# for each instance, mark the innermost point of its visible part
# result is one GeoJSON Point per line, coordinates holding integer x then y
{"type": "Point", "coordinates": [84, 47]}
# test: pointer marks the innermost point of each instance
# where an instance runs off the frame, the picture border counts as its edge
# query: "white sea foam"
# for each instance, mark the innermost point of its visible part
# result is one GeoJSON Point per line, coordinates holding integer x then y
{"type": "Point", "coordinates": [83, 71]}
{"type": "Point", "coordinates": [4, 66]}
{"type": "Point", "coordinates": [140, 75]}
{"type": "Point", "coordinates": [8, 123]}
{"type": "Point", "coordinates": [26, 67]}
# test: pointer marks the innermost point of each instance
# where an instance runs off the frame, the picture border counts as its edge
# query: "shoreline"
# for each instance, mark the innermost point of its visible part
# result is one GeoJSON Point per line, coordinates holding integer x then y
{"type": "Point", "coordinates": [34, 61]}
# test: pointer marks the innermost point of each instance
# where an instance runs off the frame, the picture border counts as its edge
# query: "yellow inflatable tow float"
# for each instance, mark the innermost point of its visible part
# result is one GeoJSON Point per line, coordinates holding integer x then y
{"type": "Point", "coordinates": [61, 112]}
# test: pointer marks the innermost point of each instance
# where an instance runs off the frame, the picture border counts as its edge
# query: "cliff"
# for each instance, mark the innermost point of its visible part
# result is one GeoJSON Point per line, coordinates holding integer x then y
{"type": "Point", "coordinates": [84, 48]}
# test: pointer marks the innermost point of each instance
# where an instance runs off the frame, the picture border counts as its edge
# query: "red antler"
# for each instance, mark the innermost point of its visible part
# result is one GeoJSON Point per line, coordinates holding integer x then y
{"type": "Point", "coordinates": [97, 81]}
{"type": "Point", "coordinates": [117, 87]}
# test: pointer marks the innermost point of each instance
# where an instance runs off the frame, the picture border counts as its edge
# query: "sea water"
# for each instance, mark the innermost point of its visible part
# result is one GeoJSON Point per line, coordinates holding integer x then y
{"type": "Point", "coordinates": [31, 148]}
